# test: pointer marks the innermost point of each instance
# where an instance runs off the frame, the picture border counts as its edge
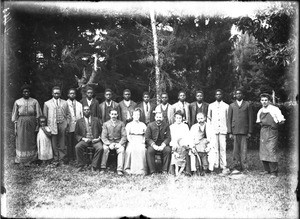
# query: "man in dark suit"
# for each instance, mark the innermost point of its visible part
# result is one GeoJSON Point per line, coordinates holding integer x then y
{"type": "Point", "coordinates": [147, 108]}
{"type": "Point", "coordinates": [127, 106]}
{"type": "Point", "coordinates": [107, 105]}
{"type": "Point", "coordinates": [157, 139]}
{"type": "Point", "coordinates": [88, 132]}
{"type": "Point", "coordinates": [240, 125]}
{"type": "Point", "coordinates": [114, 138]}
{"type": "Point", "coordinates": [199, 106]}
{"type": "Point", "coordinates": [91, 102]}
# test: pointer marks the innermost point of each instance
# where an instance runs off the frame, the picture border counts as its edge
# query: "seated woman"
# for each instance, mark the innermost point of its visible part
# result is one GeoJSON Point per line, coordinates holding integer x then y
{"type": "Point", "coordinates": [179, 137]}
{"type": "Point", "coordinates": [135, 154]}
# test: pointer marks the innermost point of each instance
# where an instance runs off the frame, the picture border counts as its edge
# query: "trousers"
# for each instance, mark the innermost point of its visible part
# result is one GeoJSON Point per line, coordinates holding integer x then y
{"type": "Point", "coordinates": [120, 157]}
{"type": "Point", "coordinates": [58, 142]}
{"type": "Point", "coordinates": [79, 148]}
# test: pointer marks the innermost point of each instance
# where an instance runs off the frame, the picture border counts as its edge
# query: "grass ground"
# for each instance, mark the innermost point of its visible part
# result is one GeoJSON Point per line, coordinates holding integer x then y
{"type": "Point", "coordinates": [63, 193]}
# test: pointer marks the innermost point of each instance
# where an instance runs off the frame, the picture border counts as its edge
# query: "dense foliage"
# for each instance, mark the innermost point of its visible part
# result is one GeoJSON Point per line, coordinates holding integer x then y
{"type": "Point", "coordinates": [116, 51]}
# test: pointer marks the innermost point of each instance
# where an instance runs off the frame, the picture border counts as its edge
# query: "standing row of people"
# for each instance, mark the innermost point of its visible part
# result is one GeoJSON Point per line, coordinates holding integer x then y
{"type": "Point", "coordinates": [77, 119]}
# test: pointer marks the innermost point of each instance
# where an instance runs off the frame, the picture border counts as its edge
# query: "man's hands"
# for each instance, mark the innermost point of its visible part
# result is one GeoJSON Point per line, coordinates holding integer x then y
{"type": "Point", "coordinates": [159, 148]}
{"type": "Point", "coordinates": [86, 140]}
{"type": "Point", "coordinates": [113, 146]}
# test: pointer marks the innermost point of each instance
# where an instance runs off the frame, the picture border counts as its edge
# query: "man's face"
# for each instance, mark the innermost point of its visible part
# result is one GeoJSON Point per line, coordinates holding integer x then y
{"type": "Point", "coordinates": [89, 94]}
{"type": "Point", "coordinates": [86, 111]}
{"type": "Point", "coordinates": [239, 95]}
{"type": "Point", "coordinates": [56, 93]}
{"type": "Point", "coordinates": [218, 96]}
{"type": "Point", "coordinates": [199, 97]}
{"type": "Point", "coordinates": [181, 97]}
{"type": "Point", "coordinates": [164, 99]}
{"type": "Point", "coordinates": [26, 93]}
{"type": "Point", "coordinates": [108, 95]}
{"type": "Point", "coordinates": [72, 94]}
{"type": "Point", "coordinates": [127, 95]}
{"type": "Point", "coordinates": [264, 101]}
{"type": "Point", "coordinates": [113, 114]}
{"type": "Point", "coordinates": [146, 98]}
{"type": "Point", "coordinates": [200, 118]}
{"type": "Point", "coordinates": [158, 118]}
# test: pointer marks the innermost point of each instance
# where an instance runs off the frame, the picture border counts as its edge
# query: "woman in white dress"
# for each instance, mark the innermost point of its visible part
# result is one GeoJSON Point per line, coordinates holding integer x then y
{"type": "Point", "coordinates": [135, 154]}
{"type": "Point", "coordinates": [179, 136]}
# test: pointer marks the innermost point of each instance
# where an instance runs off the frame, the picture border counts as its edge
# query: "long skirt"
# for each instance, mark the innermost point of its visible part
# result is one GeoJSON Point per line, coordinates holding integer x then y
{"type": "Point", "coordinates": [136, 155]}
{"type": "Point", "coordinates": [26, 149]}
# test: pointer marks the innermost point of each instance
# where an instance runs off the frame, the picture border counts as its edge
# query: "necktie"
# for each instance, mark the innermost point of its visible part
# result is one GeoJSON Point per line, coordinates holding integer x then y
{"type": "Point", "coordinates": [184, 117]}
{"type": "Point", "coordinates": [74, 107]}
{"type": "Point", "coordinates": [147, 108]}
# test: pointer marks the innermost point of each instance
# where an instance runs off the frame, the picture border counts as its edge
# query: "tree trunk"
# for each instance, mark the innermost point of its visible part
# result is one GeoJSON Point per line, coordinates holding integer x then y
{"type": "Point", "coordinates": [157, 72]}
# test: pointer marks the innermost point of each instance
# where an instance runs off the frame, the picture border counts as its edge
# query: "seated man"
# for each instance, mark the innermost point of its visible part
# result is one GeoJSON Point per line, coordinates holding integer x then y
{"type": "Point", "coordinates": [88, 131]}
{"type": "Point", "coordinates": [114, 138]}
{"type": "Point", "coordinates": [157, 139]}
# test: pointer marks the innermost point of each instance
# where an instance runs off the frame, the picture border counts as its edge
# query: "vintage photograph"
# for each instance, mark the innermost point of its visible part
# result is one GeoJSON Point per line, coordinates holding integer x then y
{"type": "Point", "coordinates": [149, 109]}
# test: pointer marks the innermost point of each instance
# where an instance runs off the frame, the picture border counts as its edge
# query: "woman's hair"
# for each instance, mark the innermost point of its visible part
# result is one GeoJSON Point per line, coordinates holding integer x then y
{"type": "Point", "coordinates": [178, 112]}
{"type": "Point", "coordinates": [137, 110]}
{"type": "Point", "coordinates": [265, 95]}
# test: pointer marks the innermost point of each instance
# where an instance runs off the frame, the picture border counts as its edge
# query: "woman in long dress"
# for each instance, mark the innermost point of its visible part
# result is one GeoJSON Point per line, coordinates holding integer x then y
{"type": "Point", "coordinates": [135, 154]}
{"type": "Point", "coordinates": [25, 112]}
{"type": "Point", "coordinates": [269, 117]}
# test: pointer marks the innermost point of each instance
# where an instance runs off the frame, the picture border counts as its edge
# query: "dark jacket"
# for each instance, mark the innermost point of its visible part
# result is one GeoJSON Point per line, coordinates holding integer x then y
{"type": "Point", "coordinates": [240, 119]}
{"type": "Point", "coordinates": [143, 117]}
{"type": "Point", "coordinates": [193, 109]}
{"type": "Point", "coordinates": [115, 105]}
{"type": "Point", "coordinates": [152, 133]}
{"type": "Point", "coordinates": [94, 107]}
{"type": "Point", "coordinates": [81, 131]}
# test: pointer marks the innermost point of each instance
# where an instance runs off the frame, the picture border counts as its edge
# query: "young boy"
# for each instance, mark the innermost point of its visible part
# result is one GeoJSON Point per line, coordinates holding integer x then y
{"type": "Point", "coordinates": [199, 145]}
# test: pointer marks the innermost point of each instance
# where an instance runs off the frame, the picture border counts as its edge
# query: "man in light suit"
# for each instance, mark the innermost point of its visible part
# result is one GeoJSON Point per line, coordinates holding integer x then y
{"type": "Point", "coordinates": [147, 109]}
{"type": "Point", "coordinates": [107, 105]}
{"type": "Point", "coordinates": [88, 132]}
{"type": "Point", "coordinates": [57, 112]}
{"type": "Point", "coordinates": [75, 109]}
{"type": "Point", "coordinates": [114, 138]}
{"type": "Point", "coordinates": [199, 106]}
{"type": "Point", "coordinates": [183, 106]}
{"type": "Point", "coordinates": [240, 125]}
{"type": "Point", "coordinates": [127, 107]}
{"type": "Point", "coordinates": [91, 102]}
{"type": "Point", "coordinates": [158, 138]}
{"type": "Point", "coordinates": [217, 117]}
{"type": "Point", "coordinates": [165, 108]}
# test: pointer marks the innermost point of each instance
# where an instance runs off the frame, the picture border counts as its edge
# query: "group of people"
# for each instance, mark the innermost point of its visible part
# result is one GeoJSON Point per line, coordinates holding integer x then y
{"type": "Point", "coordinates": [189, 138]}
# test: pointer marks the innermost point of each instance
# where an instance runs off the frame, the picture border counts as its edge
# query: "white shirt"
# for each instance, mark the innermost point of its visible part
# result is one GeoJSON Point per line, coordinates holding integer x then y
{"type": "Point", "coordinates": [127, 103]}
{"type": "Point", "coordinates": [87, 120]}
{"type": "Point", "coordinates": [145, 107]}
{"type": "Point", "coordinates": [89, 102]}
{"type": "Point", "coordinates": [239, 102]}
{"type": "Point", "coordinates": [199, 105]}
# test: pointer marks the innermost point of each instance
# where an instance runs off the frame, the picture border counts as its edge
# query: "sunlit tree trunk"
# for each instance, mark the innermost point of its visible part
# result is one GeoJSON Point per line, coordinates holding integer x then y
{"type": "Point", "coordinates": [157, 72]}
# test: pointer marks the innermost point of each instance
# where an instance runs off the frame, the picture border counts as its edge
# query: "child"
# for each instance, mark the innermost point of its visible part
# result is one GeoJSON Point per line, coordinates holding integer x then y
{"type": "Point", "coordinates": [44, 146]}
{"type": "Point", "coordinates": [179, 156]}
{"type": "Point", "coordinates": [199, 145]}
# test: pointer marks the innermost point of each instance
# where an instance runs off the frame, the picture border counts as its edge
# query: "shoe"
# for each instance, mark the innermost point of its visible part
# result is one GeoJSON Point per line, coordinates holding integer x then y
{"type": "Point", "coordinates": [164, 172]}
{"type": "Point", "coordinates": [94, 169]}
{"type": "Point", "coordinates": [208, 171]}
{"type": "Point", "coordinates": [273, 175]}
{"type": "Point", "coordinates": [79, 169]}
{"type": "Point", "coordinates": [235, 171]}
{"type": "Point", "coordinates": [102, 171]}
{"type": "Point", "coordinates": [120, 173]}
{"type": "Point", "coordinates": [246, 171]}
{"type": "Point", "coordinates": [202, 173]}
{"type": "Point", "coordinates": [264, 173]}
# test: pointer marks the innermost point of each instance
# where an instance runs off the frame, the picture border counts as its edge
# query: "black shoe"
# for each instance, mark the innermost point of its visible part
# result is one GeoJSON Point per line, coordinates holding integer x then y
{"type": "Point", "coordinates": [202, 173]}
{"type": "Point", "coordinates": [208, 171]}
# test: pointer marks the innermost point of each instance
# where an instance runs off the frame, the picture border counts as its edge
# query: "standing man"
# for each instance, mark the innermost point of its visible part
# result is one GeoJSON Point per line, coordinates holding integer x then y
{"type": "Point", "coordinates": [183, 106]}
{"type": "Point", "coordinates": [114, 138]}
{"type": "Point", "coordinates": [107, 105]}
{"type": "Point", "coordinates": [158, 138]}
{"type": "Point", "coordinates": [240, 125]}
{"type": "Point", "coordinates": [88, 132]}
{"type": "Point", "coordinates": [127, 107]}
{"type": "Point", "coordinates": [57, 112]}
{"type": "Point", "coordinates": [199, 106]}
{"type": "Point", "coordinates": [217, 117]}
{"type": "Point", "coordinates": [75, 109]}
{"type": "Point", "coordinates": [91, 102]}
{"type": "Point", "coordinates": [165, 108]}
{"type": "Point", "coordinates": [147, 108]}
